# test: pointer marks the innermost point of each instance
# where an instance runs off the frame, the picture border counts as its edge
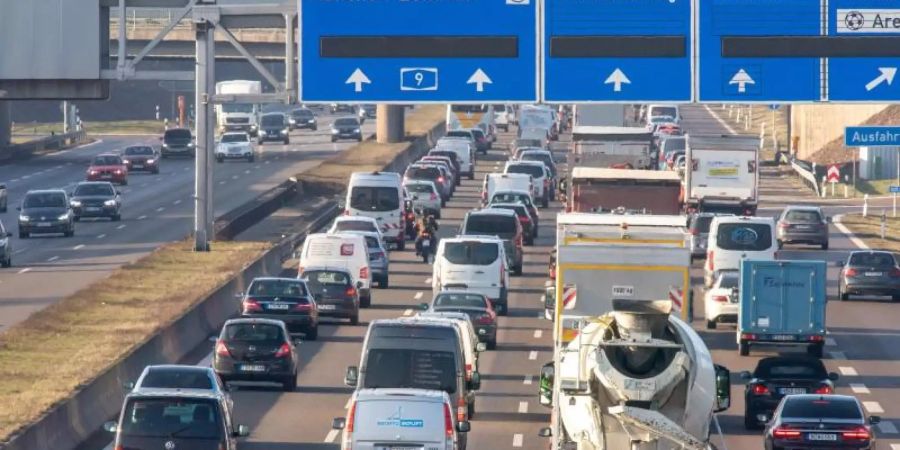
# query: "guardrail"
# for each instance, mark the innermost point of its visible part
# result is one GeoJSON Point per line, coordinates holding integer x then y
{"type": "Point", "coordinates": [25, 150]}
{"type": "Point", "coordinates": [807, 176]}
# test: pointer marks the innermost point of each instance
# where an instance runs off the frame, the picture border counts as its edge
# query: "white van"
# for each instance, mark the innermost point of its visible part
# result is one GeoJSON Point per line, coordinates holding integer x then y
{"type": "Point", "coordinates": [672, 111]}
{"type": "Point", "coordinates": [494, 182]}
{"type": "Point", "coordinates": [473, 263]}
{"type": "Point", "coordinates": [379, 195]}
{"type": "Point", "coordinates": [540, 178]}
{"type": "Point", "coordinates": [400, 418]}
{"type": "Point", "coordinates": [465, 153]}
{"type": "Point", "coordinates": [346, 251]}
{"type": "Point", "coordinates": [735, 238]}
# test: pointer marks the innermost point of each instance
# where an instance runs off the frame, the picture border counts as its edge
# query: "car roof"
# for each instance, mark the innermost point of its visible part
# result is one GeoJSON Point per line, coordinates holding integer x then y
{"type": "Point", "coordinates": [457, 292]}
{"type": "Point", "coordinates": [275, 279]}
{"type": "Point", "coordinates": [176, 393]}
{"type": "Point", "coordinates": [347, 117]}
{"type": "Point", "coordinates": [501, 205]}
{"type": "Point", "coordinates": [355, 218]}
{"type": "Point", "coordinates": [802, 208]}
{"type": "Point", "coordinates": [474, 237]}
{"type": "Point", "coordinates": [86, 183]}
{"type": "Point", "coordinates": [525, 163]}
{"type": "Point", "coordinates": [372, 234]}
{"type": "Point", "coordinates": [810, 397]}
{"type": "Point", "coordinates": [533, 150]}
{"type": "Point", "coordinates": [106, 154]}
{"type": "Point", "coordinates": [253, 320]}
{"type": "Point", "coordinates": [179, 367]}
{"type": "Point", "coordinates": [512, 191]}
{"type": "Point", "coordinates": [46, 191]}
{"type": "Point", "coordinates": [341, 269]}
{"type": "Point", "coordinates": [363, 395]}
{"type": "Point", "coordinates": [738, 219]}
{"type": "Point", "coordinates": [491, 212]}
{"type": "Point", "coordinates": [870, 252]}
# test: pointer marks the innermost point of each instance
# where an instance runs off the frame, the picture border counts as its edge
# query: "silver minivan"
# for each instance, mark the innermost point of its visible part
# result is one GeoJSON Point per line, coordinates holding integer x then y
{"type": "Point", "coordinates": [400, 418]}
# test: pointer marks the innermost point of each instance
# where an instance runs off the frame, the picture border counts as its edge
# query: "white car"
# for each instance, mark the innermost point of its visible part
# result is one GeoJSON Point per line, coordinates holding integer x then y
{"type": "Point", "coordinates": [355, 223]}
{"type": "Point", "coordinates": [721, 301]}
{"type": "Point", "coordinates": [234, 145]}
{"type": "Point", "coordinates": [473, 263]}
{"type": "Point", "coordinates": [425, 195]}
{"type": "Point", "coordinates": [540, 177]}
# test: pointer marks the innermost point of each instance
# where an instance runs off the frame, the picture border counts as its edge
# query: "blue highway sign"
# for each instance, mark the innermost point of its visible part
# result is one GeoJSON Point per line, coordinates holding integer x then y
{"type": "Point", "coordinates": [401, 51]}
{"type": "Point", "coordinates": [617, 51]}
{"type": "Point", "coordinates": [895, 189]}
{"type": "Point", "coordinates": [872, 136]}
{"type": "Point", "coordinates": [868, 78]}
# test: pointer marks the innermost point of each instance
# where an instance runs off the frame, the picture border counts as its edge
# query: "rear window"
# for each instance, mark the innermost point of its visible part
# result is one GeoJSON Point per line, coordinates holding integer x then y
{"type": "Point", "coordinates": [477, 133]}
{"type": "Point", "coordinates": [511, 198]}
{"type": "Point", "coordinates": [673, 144]}
{"type": "Point", "coordinates": [752, 237]}
{"type": "Point", "coordinates": [236, 137]}
{"type": "Point", "coordinates": [417, 369]}
{"type": "Point", "coordinates": [472, 253]}
{"type": "Point", "coordinates": [423, 173]}
{"type": "Point", "coordinates": [803, 216]}
{"type": "Point", "coordinates": [420, 188]}
{"type": "Point", "coordinates": [528, 169]}
{"type": "Point", "coordinates": [784, 368]}
{"type": "Point", "coordinates": [274, 120]}
{"type": "Point", "coordinates": [176, 379]}
{"type": "Point", "coordinates": [701, 223]}
{"type": "Point", "coordinates": [460, 300]}
{"type": "Point", "coordinates": [369, 198]}
{"type": "Point", "coordinates": [823, 407]}
{"type": "Point", "coordinates": [172, 418]}
{"type": "Point", "coordinates": [872, 259]}
{"type": "Point", "coordinates": [658, 111]}
{"type": "Point", "coordinates": [254, 332]}
{"type": "Point", "coordinates": [451, 155]}
{"type": "Point", "coordinates": [490, 224]}
{"type": "Point", "coordinates": [316, 278]}
{"type": "Point", "coordinates": [277, 288]}
{"type": "Point", "coordinates": [730, 280]}
{"type": "Point", "coordinates": [354, 225]}
{"type": "Point", "coordinates": [528, 143]}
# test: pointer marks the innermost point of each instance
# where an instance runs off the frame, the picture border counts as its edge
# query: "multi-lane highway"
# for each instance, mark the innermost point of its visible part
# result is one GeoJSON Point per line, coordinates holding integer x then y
{"type": "Point", "coordinates": [157, 209]}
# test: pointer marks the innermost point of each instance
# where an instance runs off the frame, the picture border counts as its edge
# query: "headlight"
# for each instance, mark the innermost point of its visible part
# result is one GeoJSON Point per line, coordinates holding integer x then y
{"type": "Point", "coordinates": [63, 217]}
{"type": "Point", "coordinates": [356, 130]}
{"type": "Point", "coordinates": [190, 145]}
{"type": "Point", "coordinates": [292, 121]}
{"type": "Point", "coordinates": [110, 203]}
{"type": "Point", "coordinates": [24, 218]}
{"type": "Point", "coordinates": [284, 131]}
{"type": "Point", "coordinates": [262, 132]}
{"type": "Point", "coordinates": [125, 161]}
{"type": "Point", "coordinates": [75, 203]}
{"type": "Point", "coordinates": [312, 121]}
{"type": "Point", "coordinates": [165, 145]}
{"type": "Point", "coordinates": [151, 161]}
{"type": "Point", "coordinates": [334, 131]}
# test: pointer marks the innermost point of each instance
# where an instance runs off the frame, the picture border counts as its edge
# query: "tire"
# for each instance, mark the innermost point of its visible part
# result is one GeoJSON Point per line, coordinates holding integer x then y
{"type": "Point", "coordinates": [314, 128]}
{"type": "Point", "coordinates": [710, 324]}
{"type": "Point", "coordinates": [70, 233]}
{"type": "Point", "coordinates": [815, 350]}
{"type": "Point", "coordinates": [517, 270]}
{"type": "Point", "coordinates": [156, 172]}
{"type": "Point", "coordinates": [290, 383]}
{"type": "Point", "coordinates": [164, 156]}
{"type": "Point", "coordinates": [333, 140]}
{"type": "Point", "coordinates": [76, 218]}
{"type": "Point", "coordinates": [401, 245]}
{"type": "Point", "coordinates": [749, 421]}
{"type": "Point", "coordinates": [744, 348]}
{"type": "Point", "coordinates": [825, 246]}
{"type": "Point", "coordinates": [359, 139]}
{"type": "Point", "coordinates": [124, 182]}
{"type": "Point", "coordinates": [312, 333]}
{"type": "Point", "coordinates": [780, 244]}
{"type": "Point", "coordinates": [116, 217]}
{"type": "Point", "coordinates": [530, 240]}
{"type": "Point", "coordinates": [492, 344]}
{"type": "Point", "coordinates": [250, 159]}
{"type": "Point", "coordinates": [365, 302]}
{"type": "Point", "coordinates": [843, 295]}
{"type": "Point", "coordinates": [287, 141]}
{"type": "Point", "coordinates": [383, 284]}
{"type": "Point", "coordinates": [472, 175]}
{"type": "Point", "coordinates": [471, 407]}
{"type": "Point", "coordinates": [7, 262]}
{"type": "Point", "coordinates": [354, 319]}
{"type": "Point", "coordinates": [23, 235]}
{"type": "Point", "coordinates": [545, 202]}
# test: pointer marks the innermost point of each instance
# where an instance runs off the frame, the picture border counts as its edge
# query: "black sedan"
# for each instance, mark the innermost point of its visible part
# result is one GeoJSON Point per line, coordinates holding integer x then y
{"type": "Point", "coordinates": [141, 157]}
{"type": "Point", "coordinates": [869, 273]}
{"type": "Point", "coordinates": [778, 376]}
{"type": "Point", "coordinates": [476, 306]}
{"type": "Point", "coordinates": [334, 292]}
{"type": "Point", "coordinates": [45, 211]}
{"type": "Point", "coordinates": [96, 199]}
{"type": "Point", "coordinates": [284, 299]}
{"type": "Point", "coordinates": [256, 350]}
{"type": "Point", "coordinates": [346, 128]}
{"type": "Point", "coordinates": [810, 421]}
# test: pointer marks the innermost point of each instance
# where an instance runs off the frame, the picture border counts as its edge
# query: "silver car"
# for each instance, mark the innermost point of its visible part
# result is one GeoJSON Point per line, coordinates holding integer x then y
{"type": "Point", "coordinates": [802, 225]}
{"type": "Point", "coordinates": [698, 229]}
{"type": "Point", "coordinates": [425, 195]}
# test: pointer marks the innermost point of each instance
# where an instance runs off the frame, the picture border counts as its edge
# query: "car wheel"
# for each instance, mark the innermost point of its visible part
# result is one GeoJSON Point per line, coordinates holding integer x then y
{"type": "Point", "coordinates": [250, 159]}
{"type": "Point", "coordinates": [825, 246]}
{"type": "Point", "coordinates": [545, 202]}
{"type": "Point", "coordinates": [312, 333]}
{"type": "Point", "coordinates": [69, 233]}
{"type": "Point", "coordinates": [156, 171]}
{"type": "Point", "coordinates": [471, 407]}
{"type": "Point", "coordinates": [843, 295]}
{"type": "Point", "coordinates": [365, 302]}
{"type": "Point", "coordinates": [124, 182]}
{"type": "Point", "coordinates": [354, 319]}
{"type": "Point", "coordinates": [749, 421]}
{"type": "Point", "coordinates": [76, 218]}
{"type": "Point", "coordinates": [492, 344]}
{"type": "Point", "coordinates": [290, 383]}
{"type": "Point", "coordinates": [383, 283]}
{"type": "Point", "coordinates": [5, 205]}
{"type": "Point", "coordinates": [472, 175]}
{"type": "Point", "coordinates": [710, 324]}
{"type": "Point", "coordinates": [220, 160]}
{"type": "Point", "coordinates": [780, 244]}
{"type": "Point", "coordinates": [359, 139]}
{"type": "Point", "coordinates": [314, 128]}
{"type": "Point", "coordinates": [744, 348]}
{"type": "Point", "coordinates": [287, 141]}
{"type": "Point", "coordinates": [7, 262]}
{"type": "Point", "coordinates": [116, 217]}
{"type": "Point", "coordinates": [815, 350]}
{"type": "Point", "coordinates": [517, 270]}
{"type": "Point", "coordinates": [333, 140]}
{"type": "Point", "coordinates": [23, 235]}
{"type": "Point", "coordinates": [401, 245]}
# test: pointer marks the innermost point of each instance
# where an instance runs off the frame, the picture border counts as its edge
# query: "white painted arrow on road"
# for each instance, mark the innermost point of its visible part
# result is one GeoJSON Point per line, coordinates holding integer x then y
{"type": "Point", "coordinates": [887, 75]}
{"type": "Point", "coordinates": [357, 78]}
{"type": "Point", "coordinates": [742, 79]}
{"type": "Point", "coordinates": [479, 79]}
{"type": "Point", "coordinates": [617, 79]}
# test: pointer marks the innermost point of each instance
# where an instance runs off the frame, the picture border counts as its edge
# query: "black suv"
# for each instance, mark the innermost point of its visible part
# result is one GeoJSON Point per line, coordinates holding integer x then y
{"type": "Point", "coordinates": [256, 350]}
{"type": "Point", "coordinates": [178, 142]}
{"type": "Point", "coordinates": [46, 211]}
{"type": "Point", "coordinates": [274, 127]}
{"type": "Point", "coordinates": [96, 199]}
{"type": "Point", "coordinates": [303, 118]}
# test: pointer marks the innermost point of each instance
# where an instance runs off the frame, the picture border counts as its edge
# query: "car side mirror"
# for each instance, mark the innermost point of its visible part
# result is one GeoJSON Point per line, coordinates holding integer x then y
{"type": "Point", "coordinates": [545, 432]}
{"type": "Point", "coordinates": [359, 285]}
{"type": "Point", "coordinates": [745, 375]}
{"type": "Point", "coordinates": [242, 431]}
{"type": "Point", "coordinates": [545, 389]}
{"type": "Point", "coordinates": [128, 385]}
{"type": "Point", "coordinates": [118, 192]}
{"type": "Point", "coordinates": [423, 306]}
{"type": "Point", "coordinates": [480, 347]}
{"type": "Point", "coordinates": [111, 427]}
{"type": "Point", "coordinates": [874, 420]}
{"type": "Point", "coordinates": [723, 388]}
{"type": "Point", "coordinates": [833, 376]}
{"type": "Point", "coordinates": [351, 378]}
{"type": "Point", "coordinates": [463, 426]}
{"type": "Point", "coordinates": [839, 263]}
{"type": "Point", "coordinates": [338, 423]}
{"type": "Point", "coordinates": [476, 380]}
{"type": "Point", "coordinates": [18, 208]}
{"type": "Point", "coordinates": [828, 220]}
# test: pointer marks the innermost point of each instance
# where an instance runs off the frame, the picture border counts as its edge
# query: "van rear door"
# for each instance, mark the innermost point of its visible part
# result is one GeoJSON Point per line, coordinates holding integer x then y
{"type": "Point", "coordinates": [402, 419]}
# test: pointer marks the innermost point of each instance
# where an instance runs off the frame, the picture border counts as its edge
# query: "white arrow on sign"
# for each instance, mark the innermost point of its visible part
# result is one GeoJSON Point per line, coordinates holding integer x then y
{"type": "Point", "coordinates": [617, 78]}
{"type": "Point", "coordinates": [357, 78]}
{"type": "Point", "coordinates": [887, 75]}
{"type": "Point", "coordinates": [742, 79]}
{"type": "Point", "coordinates": [479, 79]}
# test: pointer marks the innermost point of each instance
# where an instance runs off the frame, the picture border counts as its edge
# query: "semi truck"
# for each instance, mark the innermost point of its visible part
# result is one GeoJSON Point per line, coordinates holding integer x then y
{"type": "Point", "coordinates": [589, 189]}
{"type": "Point", "coordinates": [613, 146]}
{"type": "Point", "coordinates": [782, 303]}
{"type": "Point", "coordinates": [238, 116]}
{"type": "Point", "coordinates": [723, 175]}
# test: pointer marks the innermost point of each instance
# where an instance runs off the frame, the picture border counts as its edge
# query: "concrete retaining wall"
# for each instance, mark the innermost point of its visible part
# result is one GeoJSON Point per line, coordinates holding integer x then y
{"type": "Point", "coordinates": [817, 125]}
{"type": "Point", "coordinates": [20, 152]}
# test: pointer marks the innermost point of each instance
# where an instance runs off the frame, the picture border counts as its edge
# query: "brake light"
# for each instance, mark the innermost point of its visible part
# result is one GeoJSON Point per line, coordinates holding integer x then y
{"type": "Point", "coordinates": [346, 212]}
{"type": "Point", "coordinates": [720, 298]}
{"type": "Point", "coordinates": [120, 447]}
{"type": "Point", "coordinates": [695, 232]}
{"type": "Point", "coordinates": [524, 219]}
{"type": "Point", "coordinates": [468, 372]}
{"type": "Point", "coordinates": [351, 414]}
{"type": "Point", "coordinates": [448, 421]}
{"type": "Point", "coordinates": [440, 179]}
{"type": "Point", "coordinates": [251, 305]}
{"type": "Point", "coordinates": [760, 389]}
{"type": "Point", "coordinates": [895, 272]}
{"type": "Point", "coordinates": [860, 433]}
{"type": "Point", "coordinates": [303, 307]}
{"type": "Point", "coordinates": [484, 319]}
{"type": "Point", "coordinates": [816, 338]}
{"type": "Point", "coordinates": [783, 225]}
{"type": "Point", "coordinates": [784, 432]}
{"type": "Point", "coordinates": [221, 349]}
{"type": "Point", "coordinates": [851, 272]}
{"type": "Point", "coordinates": [749, 336]}
{"type": "Point", "coordinates": [519, 240]}
{"type": "Point", "coordinates": [364, 273]}
{"type": "Point", "coordinates": [824, 389]}
{"type": "Point", "coordinates": [462, 409]}
{"type": "Point", "coordinates": [283, 351]}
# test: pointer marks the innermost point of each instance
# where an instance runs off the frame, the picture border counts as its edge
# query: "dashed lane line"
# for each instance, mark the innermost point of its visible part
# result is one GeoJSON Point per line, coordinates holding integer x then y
{"type": "Point", "coordinates": [161, 209]}
{"type": "Point", "coordinates": [428, 280]}
{"type": "Point", "coordinates": [142, 217]}
{"type": "Point", "coordinates": [847, 371]}
{"type": "Point", "coordinates": [25, 270]}
{"type": "Point", "coordinates": [873, 407]}
{"type": "Point", "coordinates": [78, 247]}
{"type": "Point", "coordinates": [532, 355]}
{"type": "Point", "coordinates": [408, 312]}
{"type": "Point", "coordinates": [176, 202]}
{"type": "Point", "coordinates": [120, 226]}
{"type": "Point", "coordinates": [523, 407]}
{"type": "Point", "coordinates": [331, 436]}
{"type": "Point", "coordinates": [538, 333]}
{"type": "Point", "coordinates": [528, 380]}
{"type": "Point", "coordinates": [52, 258]}
{"type": "Point", "coordinates": [517, 439]}
{"type": "Point", "coordinates": [859, 388]}
{"type": "Point", "coordinates": [419, 295]}
{"type": "Point", "coordinates": [101, 236]}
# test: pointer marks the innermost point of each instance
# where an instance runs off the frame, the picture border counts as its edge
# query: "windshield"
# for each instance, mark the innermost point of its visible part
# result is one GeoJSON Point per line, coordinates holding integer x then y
{"type": "Point", "coordinates": [460, 300]}
{"type": "Point", "coordinates": [265, 333]}
{"type": "Point", "coordinates": [354, 225]}
{"type": "Point", "coordinates": [273, 120]}
{"type": "Point", "coordinates": [139, 151]}
{"type": "Point", "coordinates": [511, 198]}
{"type": "Point", "coordinates": [468, 108]}
{"type": "Point", "coordinates": [787, 368]}
{"type": "Point", "coordinates": [820, 408]}
{"type": "Point", "coordinates": [418, 369]}
{"type": "Point", "coordinates": [539, 120]}
{"type": "Point", "coordinates": [172, 417]}
{"type": "Point", "coordinates": [319, 279]}
{"type": "Point", "coordinates": [107, 161]}
{"type": "Point", "coordinates": [178, 134]}
{"type": "Point", "coordinates": [423, 173]}
{"type": "Point", "coordinates": [669, 111]}
{"type": "Point", "coordinates": [375, 198]}
{"type": "Point", "coordinates": [302, 113]}
{"type": "Point", "coordinates": [45, 201]}
{"type": "Point", "coordinates": [176, 379]}
{"type": "Point", "coordinates": [420, 188]}
{"type": "Point", "coordinates": [499, 108]}
{"type": "Point", "coordinates": [235, 137]}
{"type": "Point", "coordinates": [95, 189]}
{"type": "Point", "coordinates": [529, 169]}
{"type": "Point", "coordinates": [277, 288]}
{"type": "Point", "coordinates": [471, 253]}
{"type": "Point", "coordinates": [744, 236]}
{"type": "Point", "coordinates": [245, 108]}
{"type": "Point", "coordinates": [872, 259]}
{"type": "Point", "coordinates": [490, 224]}
{"type": "Point", "coordinates": [803, 216]}
{"type": "Point", "coordinates": [346, 122]}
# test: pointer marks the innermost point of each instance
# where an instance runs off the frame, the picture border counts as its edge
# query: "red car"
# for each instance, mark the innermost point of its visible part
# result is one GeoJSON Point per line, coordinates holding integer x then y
{"type": "Point", "coordinates": [108, 167]}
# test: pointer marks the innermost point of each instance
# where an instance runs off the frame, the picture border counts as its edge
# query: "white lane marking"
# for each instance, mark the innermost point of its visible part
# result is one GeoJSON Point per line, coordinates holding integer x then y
{"type": "Point", "coordinates": [268, 162]}
{"type": "Point", "coordinates": [257, 166]}
{"type": "Point", "coordinates": [78, 247]}
{"type": "Point", "coordinates": [538, 333]}
{"type": "Point", "coordinates": [887, 427]}
{"type": "Point", "coordinates": [517, 440]}
{"type": "Point", "coordinates": [120, 226]}
{"type": "Point", "coordinates": [408, 312]}
{"type": "Point", "coordinates": [101, 236]}
{"type": "Point", "coordinates": [58, 167]}
{"type": "Point", "coordinates": [428, 280]}
{"type": "Point", "coordinates": [523, 407]}
{"type": "Point", "coordinates": [52, 258]}
{"type": "Point", "coordinates": [895, 446]}
{"type": "Point", "coordinates": [528, 379]}
{"type": "Point", "coordinates": [187, 168]}
{"type": "Point", "coordinates": [848, 371]}
{"type": "Point", "coordinates": [532, 355]}
{"type": "Point", "coordinates": [347, 405]}
{"type": "Point", "coordinates": [830, 342]}
{"type": "Point", "coordinates": [161, 209]}
{"type": "Point", "coordinates": [837, 355]}
{"type": "Point", "coordinates": [247, 172]}
{"type": "Point", "coordinates": [419, 295]}
{"type": "Point", "coordinates": [25, 270]}
{"type": "Point", "coordinates": [330, 437]}
{"type": "Point", "coordinates": [21, 250]}
{"type": "Point", "coordinates": [234, 177]}
{"type": "Point", "coordinates": [873, 407]}
{"type": "Point", "coordinates": [859, 388]}
{"type": "Point", "coordinates": [142, 217]}
{"type": "Point", "coordinates": [719, 119]}
{"type": "Point", "coordinates": [176, 202]}
{"type": "Point", "coordinates": [221, 182]}
{"type": "Point", "coordinates": [843, 229]}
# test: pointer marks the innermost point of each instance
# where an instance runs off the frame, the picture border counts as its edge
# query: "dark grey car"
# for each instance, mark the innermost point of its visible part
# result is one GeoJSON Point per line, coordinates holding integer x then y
{"type": "Point", "coordinates": [334, 291]}
{"type": "Point", "coordinates": [698, 227]}
{"type": "Point", "coordinates": [96, 199]}
{"type": "Point", "coordinates": [816, 422]}
{"type": "Point", "coordinates": [46, 211]}
{"type": "Point", "coordinates": [5, 246]}
{"type": "Point", "coordinates": [802, 225]}
{"type": "Point", "coordinates": [177, 142]}
{"type": "Point", "coordinates": [478, 307]}
{"type": "Point", "coordinates": [346, 128]}
{"type": "Point", "coordinates": [274, 127]}
{"type": "Point", "coordinates": [869, 273]}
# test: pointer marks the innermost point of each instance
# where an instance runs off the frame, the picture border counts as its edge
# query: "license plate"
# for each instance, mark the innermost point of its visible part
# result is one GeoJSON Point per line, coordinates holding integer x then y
{"type": "Point", "coordinates": [874, 274]}
{"type": "Point", "coordinates": [426, 243]}
{"type": "Point", "coordinates": [43, 224]}
{"type": "Point", "coordinates": [138, 166]}
{"type": "Point", "coordinates": [792, 391]}
{"type": "Point", "coordinates": [106, 176]}
{"type": "Point", "coordinates": [821, 437]}
{"type": "Point", "coordinates": [253, 368]}
{"type": "Point", "coordinates": [327, 307]}
{"type": "Point", "coordinates": [398, 448]}
{"type": "Point", "coordinates": [784, 337]}
{"type": "Point", "coordinates": [279, 306]}
{"type": "Point", "coordinates": [92, 209]}
{"type": "Point", "coordinates": [804, 227]}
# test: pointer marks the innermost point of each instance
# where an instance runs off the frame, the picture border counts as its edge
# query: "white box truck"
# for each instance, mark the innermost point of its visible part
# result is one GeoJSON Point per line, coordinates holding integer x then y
{"type": "Point", "coordinates": [599, 116]}
{"type": "Point", "coordinates": [723, 175]}
{"type": "Point", "coordinates": [238, 116]}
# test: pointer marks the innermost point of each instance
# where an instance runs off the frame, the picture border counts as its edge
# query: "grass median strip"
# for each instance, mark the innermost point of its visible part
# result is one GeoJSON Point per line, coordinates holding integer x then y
{"type": "Point", "coordinates": [44, 359]}
{"type": "Point", "coordinates": [869, 229]}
